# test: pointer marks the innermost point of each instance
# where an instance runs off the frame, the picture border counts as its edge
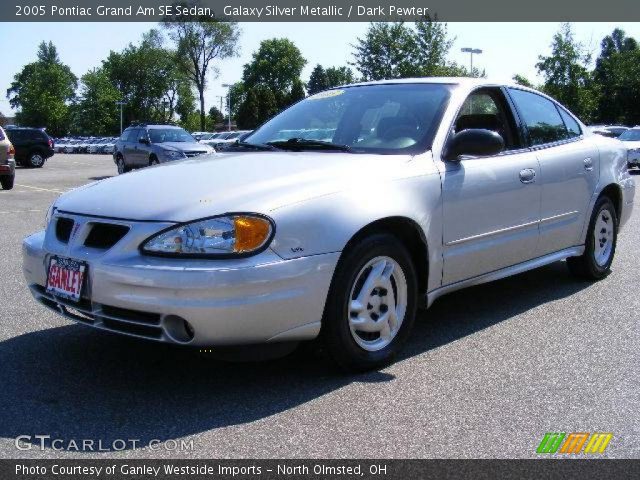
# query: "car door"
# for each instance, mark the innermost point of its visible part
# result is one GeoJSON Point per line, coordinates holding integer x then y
{"type": "Point", "coordinates": [569, 169]}
{"type": "Point", "coordinates": [491, 205]}
{"type": "Point", "coordinates": [131, 148]}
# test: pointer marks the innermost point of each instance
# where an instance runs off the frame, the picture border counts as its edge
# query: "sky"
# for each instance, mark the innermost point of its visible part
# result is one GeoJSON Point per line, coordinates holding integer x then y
{"type": "Point", "coordinates": [508, 48]}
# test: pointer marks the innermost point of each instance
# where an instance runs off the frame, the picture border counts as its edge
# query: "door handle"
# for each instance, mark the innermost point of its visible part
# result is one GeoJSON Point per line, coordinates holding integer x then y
{"type": "Point", "coordinates": [588, 164]}
{"type": "Point", "coordinates": [528, 175]}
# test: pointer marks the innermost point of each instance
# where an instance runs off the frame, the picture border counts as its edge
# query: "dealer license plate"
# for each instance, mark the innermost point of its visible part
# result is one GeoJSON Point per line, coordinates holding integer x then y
{"type": "Point", "coordinates": [65, 278]}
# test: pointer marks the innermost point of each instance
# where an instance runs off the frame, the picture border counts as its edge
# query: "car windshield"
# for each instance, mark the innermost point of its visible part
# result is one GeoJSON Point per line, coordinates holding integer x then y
{"type": "Point", "coordinates": [162, 135]}
{"type": "Point", "coordinates": [386, 118]}
{"type": "Point", "coordinates": [632, 135]}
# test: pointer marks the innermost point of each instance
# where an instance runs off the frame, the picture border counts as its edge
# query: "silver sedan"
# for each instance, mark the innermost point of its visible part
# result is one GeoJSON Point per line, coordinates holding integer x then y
{"type": "Point", "coordinates": [337, 219]}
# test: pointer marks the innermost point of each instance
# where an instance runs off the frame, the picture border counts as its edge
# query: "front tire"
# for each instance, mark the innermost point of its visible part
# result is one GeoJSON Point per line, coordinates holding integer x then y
{"type": "Point", "coordinates": [120, 165]}
{"type": "Point", "coordinates": [35, 160]}
{"type": "Point", "coordinates": [371, 306]}
{"type": "Point", "coordinates": [600, 246]}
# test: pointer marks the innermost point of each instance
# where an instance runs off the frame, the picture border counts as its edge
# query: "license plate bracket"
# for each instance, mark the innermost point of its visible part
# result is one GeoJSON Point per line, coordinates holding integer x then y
{"type": "Point", "coordinates": [66, 278]}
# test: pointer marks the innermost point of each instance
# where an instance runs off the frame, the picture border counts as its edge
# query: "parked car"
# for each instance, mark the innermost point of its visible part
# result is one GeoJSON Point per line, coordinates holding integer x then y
{"type": "Point", "coordinates": [631, 140]}
{"type": "Point", "coordinates": [428, 186]}
{"type": "Point", "coordinates": [32, 145]}
{"type": "Point", "coordinates": [109, 146]}
{"type": "Point", "coordinates": [199, 135]}
{"type": "Point", "coordinates": [227, 139]}
{"type": "Point", "coordinates": [145, 145]}
{"type": "Point", "coordinates": [612, 131]}
{"type": "Point", "coordinates": [7, 162]}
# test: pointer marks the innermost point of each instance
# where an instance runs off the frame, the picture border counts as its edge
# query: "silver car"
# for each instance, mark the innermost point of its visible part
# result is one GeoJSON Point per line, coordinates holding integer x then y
{"type": "Point", "coordinates": [631, 140]}
{"type": "Point", "coordinates": [427, 186]}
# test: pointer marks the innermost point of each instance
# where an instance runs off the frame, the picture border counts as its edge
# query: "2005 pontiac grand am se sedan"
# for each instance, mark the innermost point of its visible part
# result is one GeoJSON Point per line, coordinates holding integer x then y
{"type": "Point", "coordinates": [337, 218]}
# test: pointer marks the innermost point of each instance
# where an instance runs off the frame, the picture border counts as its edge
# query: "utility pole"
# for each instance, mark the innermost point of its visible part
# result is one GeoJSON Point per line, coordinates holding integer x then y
{"type": "Point", "coordinates": [229, 85]}
{"type": "Point", "coordinates": [471, 51]}
{"type": "Point", "coordinates": [121, 103]}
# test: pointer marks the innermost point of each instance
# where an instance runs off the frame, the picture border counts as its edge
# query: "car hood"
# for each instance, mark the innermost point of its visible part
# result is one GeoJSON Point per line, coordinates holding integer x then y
{"type": "Point", "coordinates": [631, 144]}
{"type": "Point", "coordinates": [184, 146]}
{"type": "Point", "coordinates": [235, 182]}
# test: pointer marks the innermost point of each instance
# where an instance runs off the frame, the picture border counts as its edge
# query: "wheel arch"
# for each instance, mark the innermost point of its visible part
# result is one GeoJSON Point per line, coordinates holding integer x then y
{"type": "Point", "coordinates": [614, 192]}
{"type": "Point", "coordinates": [409, 232]}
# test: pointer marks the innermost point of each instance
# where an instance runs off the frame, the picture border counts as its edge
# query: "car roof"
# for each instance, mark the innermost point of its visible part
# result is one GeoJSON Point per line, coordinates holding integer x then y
{"type": "Point", "coordinates": [461, 81]}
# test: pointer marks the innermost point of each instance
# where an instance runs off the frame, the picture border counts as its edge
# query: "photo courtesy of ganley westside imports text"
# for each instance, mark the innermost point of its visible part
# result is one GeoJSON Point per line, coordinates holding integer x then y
{"type": "Point", "coordinates": [319, 239]}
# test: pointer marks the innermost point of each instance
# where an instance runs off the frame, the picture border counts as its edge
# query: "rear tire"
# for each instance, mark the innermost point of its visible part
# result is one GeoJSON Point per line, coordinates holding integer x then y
{"type": "Point", "coordinates": [35, 160]}
{"type": "Point", "coordinates": [600, 246]}
{"type": "Point", "coordinates": [371, 306]}
{"type": "Point", "coordinates": [7, 182]}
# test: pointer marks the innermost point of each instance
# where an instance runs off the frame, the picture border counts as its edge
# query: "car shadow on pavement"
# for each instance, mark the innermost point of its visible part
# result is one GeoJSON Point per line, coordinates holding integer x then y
{"type": "Point", "coordinates": [103, 177]}
{"type": "Point", "coordinates": [75, 383]}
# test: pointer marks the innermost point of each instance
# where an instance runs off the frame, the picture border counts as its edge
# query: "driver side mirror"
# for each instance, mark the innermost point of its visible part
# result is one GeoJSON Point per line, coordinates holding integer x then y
{"type": "Point", "coordinates": [475, 142]}
{"type": "Point", "coordinates": [143, 140]}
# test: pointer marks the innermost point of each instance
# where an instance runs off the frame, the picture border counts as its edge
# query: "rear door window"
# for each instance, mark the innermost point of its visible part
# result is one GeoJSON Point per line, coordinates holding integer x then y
{"type": "Point", "coordinates": [540, 116]}
{"type": "Point", "coordinates": [573, 128]}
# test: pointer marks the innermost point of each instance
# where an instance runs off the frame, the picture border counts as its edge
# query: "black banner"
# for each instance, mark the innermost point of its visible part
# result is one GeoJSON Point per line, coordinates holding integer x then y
{"type": "Point", "coordinates": [319, 469]}
{"type": "Point", "coordinates": [317, 10]}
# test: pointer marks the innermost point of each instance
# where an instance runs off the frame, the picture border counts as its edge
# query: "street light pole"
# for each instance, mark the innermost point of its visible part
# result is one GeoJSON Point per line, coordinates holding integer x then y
{"type": "Point", "coordinates": [121, 103]}
{"type": "Point", "coordinates": [228, 85]}
{"type": "Point", "coordinates": [471, 51]}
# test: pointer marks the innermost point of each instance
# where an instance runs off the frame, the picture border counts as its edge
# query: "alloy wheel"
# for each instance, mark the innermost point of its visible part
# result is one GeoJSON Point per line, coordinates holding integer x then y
{"type": "Point", "coordinates": [603, 237]}
{"type": "Point", "coordinates": [377, 304]}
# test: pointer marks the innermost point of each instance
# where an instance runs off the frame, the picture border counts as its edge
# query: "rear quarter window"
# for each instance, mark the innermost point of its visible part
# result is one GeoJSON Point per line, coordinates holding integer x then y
{"type": "Point", "coordinates": [540, 116]}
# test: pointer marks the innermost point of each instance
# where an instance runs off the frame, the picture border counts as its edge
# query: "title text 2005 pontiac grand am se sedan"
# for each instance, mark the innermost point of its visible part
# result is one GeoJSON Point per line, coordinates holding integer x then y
{"type": "Point", "coordinates": [337, 219]}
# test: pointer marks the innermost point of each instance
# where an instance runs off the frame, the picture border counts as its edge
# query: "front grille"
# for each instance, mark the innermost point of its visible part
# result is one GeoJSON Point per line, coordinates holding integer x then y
{"type": "Point", "coordinates": [133, 329]}
{"type": "Point", "coordinates": [105, 317]}
{"type": "Point", "coordinates": [132, 315]}
{"type": "Point", "coordinates": [105, 235]}
{"type": "Point", "coordinates": [63, 229]}
{"type": "Point", "coordinates": [193, 154]}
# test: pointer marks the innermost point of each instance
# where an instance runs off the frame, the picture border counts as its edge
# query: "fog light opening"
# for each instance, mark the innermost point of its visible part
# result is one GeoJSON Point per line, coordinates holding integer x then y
{"type": "Point", "coordinates": [178, 329]}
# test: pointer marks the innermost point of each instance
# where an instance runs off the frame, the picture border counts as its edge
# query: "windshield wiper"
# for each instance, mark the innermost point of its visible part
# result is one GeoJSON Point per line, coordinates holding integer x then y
{"type": "Point", "coordinates": [306, 143]}
{"type": "Point", "coordinates": [255, 146]}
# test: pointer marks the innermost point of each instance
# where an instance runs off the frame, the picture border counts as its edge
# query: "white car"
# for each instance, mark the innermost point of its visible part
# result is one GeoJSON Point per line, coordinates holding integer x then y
{"type": "Point", "coordinates": [631, 140]}
{"type": "Point", "coordinates": [427, 186]}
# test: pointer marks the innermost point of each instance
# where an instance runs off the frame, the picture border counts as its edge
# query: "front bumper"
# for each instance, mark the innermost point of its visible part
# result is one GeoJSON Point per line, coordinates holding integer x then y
{"type": "Point", "coordinates": [227, 302]}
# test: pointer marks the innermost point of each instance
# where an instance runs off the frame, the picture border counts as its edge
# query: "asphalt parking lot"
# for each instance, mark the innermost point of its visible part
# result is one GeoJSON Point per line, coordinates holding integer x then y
{"type": "Point", "coordinates": [487, 373]}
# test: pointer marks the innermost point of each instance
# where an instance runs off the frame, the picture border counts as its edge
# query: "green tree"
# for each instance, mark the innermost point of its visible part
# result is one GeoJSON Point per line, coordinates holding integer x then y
{"type": "Point", "coordinates": [432, 47]}
{"type": "Point", "coordinates": [386, 51]}
{"type": "Point", "coordinates": [338, 76]}
{"type": "Point", "coordinates": [617, 74]}
{"type": "Point", "coordinates": [522, 80]}
{"type": "Point", "coordinates": [395, 50]}
{"type": "Point", "coordinates": [318, 80]}
{"type": "Point", "coordinates": [97, 112]}
{"type": "Point", "coordinates": [215, 117]}
{"type": "Point", "coordinates": [43, 91]}
{"type": "Point", "coordinates": [566, 75]}
{"type": "Point", "coordinates": [297, 92]}
{"type": "Point", "coordinates": [259, 105]}
{"type": "Point", "coordinates": [200, 40]}
{"type": "Point", "coordinates": [276, 65]}
{"type": "Point", "coordinates": [148, 79]}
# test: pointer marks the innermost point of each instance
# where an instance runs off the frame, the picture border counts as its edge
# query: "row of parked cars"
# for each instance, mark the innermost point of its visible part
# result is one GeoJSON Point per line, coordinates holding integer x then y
{"type": "Point", "coordinates": [629, 136]}
{"type": "Point", "coordinates": [104, 145]}
{"type": "Point", "coordinates": [221, 140]}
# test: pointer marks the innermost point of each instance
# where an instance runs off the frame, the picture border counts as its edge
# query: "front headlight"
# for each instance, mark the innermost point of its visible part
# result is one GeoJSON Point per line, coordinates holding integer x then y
{"type": "Point", "coordinates": [223, 236]}
{"type": "Point", "coordinates": [173, 154]}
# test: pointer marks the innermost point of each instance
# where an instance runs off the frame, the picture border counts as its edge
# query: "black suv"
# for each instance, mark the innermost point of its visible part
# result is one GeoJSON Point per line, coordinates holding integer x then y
{"type": "Point", "coordinates": [33, 146]}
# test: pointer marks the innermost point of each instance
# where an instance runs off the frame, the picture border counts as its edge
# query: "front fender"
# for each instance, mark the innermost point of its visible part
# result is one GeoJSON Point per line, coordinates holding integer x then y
{"type": "Point", "coordinates": [325, 224]}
